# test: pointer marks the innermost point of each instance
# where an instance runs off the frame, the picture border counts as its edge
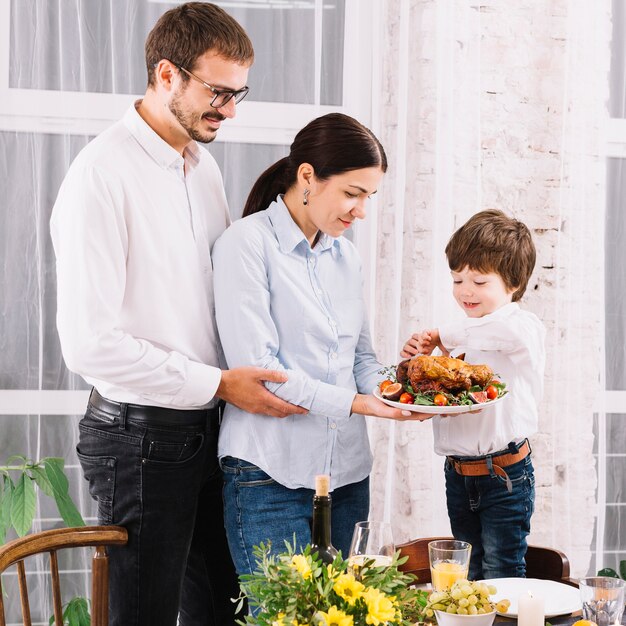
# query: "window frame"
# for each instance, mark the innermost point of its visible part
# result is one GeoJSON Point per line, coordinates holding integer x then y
{"type": "Point", "coordinates": [610, 402]}
{"type": "Point", "coordinates": [63, 112]}
{"type": "Point", "coordinates": [86, 113]}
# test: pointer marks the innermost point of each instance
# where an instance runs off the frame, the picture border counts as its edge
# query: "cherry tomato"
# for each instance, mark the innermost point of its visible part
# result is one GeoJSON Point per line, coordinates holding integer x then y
{"type": "Point", "coordinates": [496, 382]}
{"type": "Point", "coordinates": [440, 400]}
{"type": "Point", "coordinates": [406, 398]}
{"type": "Point", "coordinates": [384, 385]}
{"type": "Point", "coordinates": [492, 392]}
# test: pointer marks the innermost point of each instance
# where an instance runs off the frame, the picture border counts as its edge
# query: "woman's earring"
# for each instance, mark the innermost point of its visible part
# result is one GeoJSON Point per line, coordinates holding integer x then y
{"type": "Point", "coordinates": [305, 199]}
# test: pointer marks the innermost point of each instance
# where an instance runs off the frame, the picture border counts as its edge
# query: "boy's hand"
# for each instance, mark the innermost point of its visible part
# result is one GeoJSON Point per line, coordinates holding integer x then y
{"type": "Point", "coordinates": [423, 343]}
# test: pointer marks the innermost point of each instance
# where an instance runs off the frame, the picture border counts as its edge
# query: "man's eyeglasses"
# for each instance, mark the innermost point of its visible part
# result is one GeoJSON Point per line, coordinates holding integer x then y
{"type": "Point", "coordinates": [222, 96]}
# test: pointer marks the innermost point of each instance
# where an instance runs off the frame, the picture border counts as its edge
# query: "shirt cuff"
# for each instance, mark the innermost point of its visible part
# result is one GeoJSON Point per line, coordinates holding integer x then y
{"type": "Point", "coordinates": [201, 384]}
{"type": "Point", "coordinates": [332, 401]}
{"type": "Point", "coordinates": [453, 335]}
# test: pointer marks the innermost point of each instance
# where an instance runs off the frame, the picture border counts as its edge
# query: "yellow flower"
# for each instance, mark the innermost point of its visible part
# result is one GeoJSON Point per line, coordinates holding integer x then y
{"type": "Point", "coordinates": [301, 564]}
{"type": "Point", "coordinates": [335, 617]}
{"type": "Point", "coordinates": [348, 588]}
{"type": "Point", "coordinates": [380, 608]}
{"type": "Point", "coordinates": [279, 621]}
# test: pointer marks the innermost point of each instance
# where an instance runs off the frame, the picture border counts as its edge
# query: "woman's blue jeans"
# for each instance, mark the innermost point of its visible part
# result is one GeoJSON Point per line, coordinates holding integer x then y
{"type": "Point", "coordinates": [258, 509]}
{"type": "Point", "coordinates": [495, 521]}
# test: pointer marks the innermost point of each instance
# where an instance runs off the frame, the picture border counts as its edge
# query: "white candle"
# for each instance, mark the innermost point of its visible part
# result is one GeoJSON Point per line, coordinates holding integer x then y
{"type": "Point", "coordinates": [530, 610]}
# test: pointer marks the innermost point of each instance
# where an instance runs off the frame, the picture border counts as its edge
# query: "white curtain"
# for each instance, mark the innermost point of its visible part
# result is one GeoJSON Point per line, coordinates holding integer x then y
{"type": "Point", "coordinates": [611, 428]}
{"type": "Point", "coordinates": [478, 104]}
{"type": "Point", "coordinates": [59, 52]}
{"type": "Point", "coordinates": [493, 105]}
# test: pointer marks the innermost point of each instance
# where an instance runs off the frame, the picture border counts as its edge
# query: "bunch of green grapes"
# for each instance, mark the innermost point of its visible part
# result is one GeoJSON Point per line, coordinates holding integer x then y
{"type": "Point", "coordinates": [465, 598]}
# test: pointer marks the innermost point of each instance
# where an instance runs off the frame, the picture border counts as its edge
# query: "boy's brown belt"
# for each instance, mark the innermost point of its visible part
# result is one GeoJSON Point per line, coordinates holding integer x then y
{"type": "Point", "coordinates": [480, 467]}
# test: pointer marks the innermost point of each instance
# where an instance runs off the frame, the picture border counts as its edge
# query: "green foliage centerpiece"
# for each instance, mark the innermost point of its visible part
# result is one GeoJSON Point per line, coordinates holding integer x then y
{"type": "Point", "coordinates": [297, 589]}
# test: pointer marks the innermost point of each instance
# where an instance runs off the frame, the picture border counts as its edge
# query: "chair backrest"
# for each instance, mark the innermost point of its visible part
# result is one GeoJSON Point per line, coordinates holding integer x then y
{"type": "Point", "coordinates": [418, 563]}
{"type": "Point", "coordinates": [543, 563]}
{"type": "Point", "coordinates": [14, 553]}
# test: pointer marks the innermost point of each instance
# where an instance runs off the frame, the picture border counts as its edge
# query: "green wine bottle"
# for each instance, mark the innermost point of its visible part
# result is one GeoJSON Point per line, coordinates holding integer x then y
{"type": "Point", "coordinates": [320, 532]}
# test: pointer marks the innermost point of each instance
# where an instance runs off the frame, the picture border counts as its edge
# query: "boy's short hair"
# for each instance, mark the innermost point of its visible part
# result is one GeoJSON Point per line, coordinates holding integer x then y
{"type": "Point", "coordinates": [188, 31]}
{"type": "Point", "coordinates": [490, 241]}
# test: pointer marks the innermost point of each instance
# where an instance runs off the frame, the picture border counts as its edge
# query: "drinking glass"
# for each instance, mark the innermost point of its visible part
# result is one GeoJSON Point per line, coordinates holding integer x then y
{"type": "Point", "coordinates": [603, 599]}
{"type": "Point", "coordinates": [449, 561]}
{"type": "Point", "coordinates": [370, 541]}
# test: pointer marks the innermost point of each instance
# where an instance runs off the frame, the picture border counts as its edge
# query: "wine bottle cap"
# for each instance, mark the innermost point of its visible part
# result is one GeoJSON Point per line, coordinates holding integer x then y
{"type": "Point", "coordinates": [322, 484]}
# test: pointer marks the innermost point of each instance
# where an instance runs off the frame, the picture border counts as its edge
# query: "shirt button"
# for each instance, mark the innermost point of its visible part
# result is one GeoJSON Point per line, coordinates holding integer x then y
{"type": "Point", "coordinates": [333, 355]}
{"type": "Point", "coordinates": [333, 425]}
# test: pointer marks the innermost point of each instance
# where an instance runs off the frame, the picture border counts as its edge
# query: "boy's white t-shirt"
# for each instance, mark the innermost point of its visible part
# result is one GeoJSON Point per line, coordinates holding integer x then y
{"type": "Point", "coordinates": [512, 342]}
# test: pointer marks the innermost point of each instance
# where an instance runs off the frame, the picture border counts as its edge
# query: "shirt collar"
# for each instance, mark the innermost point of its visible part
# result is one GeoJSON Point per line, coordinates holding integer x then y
{"type": "Point", "coordinates": [505, 310]}
{"type": "Point", "coordinates": [161, 151]}
{"type": "Point", "coordinates": [290, 236]}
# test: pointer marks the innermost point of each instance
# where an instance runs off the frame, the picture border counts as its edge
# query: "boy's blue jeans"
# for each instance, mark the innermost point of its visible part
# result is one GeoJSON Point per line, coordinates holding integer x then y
{"type": "Point", "coordinates": [258, 509]}
{"type": "Point", "coordinates": [495, 521]}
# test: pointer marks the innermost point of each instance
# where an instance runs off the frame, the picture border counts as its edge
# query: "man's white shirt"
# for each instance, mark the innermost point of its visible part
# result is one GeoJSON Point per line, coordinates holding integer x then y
{"type": "Point", "coordinates": [133, 228]}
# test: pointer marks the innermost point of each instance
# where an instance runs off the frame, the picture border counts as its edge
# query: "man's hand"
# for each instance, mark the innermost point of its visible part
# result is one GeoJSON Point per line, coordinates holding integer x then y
{"type": "Point", "coordinates": [369, 405]}
{"type": "Point", "coordinates": [243, 387]}
{"type": "Point", "coordinates": [423, 343]}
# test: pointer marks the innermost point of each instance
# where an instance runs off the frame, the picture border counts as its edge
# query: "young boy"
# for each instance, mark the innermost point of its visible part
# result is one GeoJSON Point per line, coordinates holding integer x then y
{"type": "Point", "coordinates": [489, 473]}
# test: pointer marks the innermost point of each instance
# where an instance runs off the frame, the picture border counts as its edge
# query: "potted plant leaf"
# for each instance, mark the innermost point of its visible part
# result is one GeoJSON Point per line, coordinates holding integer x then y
{"type": "Point", "coordinates": [19, 480]}
{"type": "Point", "coordinates": [609, 571]}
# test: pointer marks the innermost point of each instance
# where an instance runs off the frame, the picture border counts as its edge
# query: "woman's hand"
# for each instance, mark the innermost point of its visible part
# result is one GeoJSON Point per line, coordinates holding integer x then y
{"type": "Point", "coordinates": [370, 405]}
{"type": "Point", "coordinates": [423, 343]}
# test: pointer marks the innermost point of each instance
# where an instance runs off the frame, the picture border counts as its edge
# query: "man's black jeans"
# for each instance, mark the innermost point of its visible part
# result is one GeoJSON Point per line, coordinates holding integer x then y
{"type": "Point", "coordinates": [160, 480]}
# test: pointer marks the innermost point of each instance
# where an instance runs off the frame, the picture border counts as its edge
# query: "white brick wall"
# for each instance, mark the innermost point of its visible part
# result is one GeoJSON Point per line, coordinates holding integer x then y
{"type": "Point", "coordinates": [506, 105]}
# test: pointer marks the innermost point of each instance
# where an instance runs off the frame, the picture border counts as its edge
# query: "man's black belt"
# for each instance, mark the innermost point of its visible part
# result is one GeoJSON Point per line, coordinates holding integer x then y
{"type": "Point", "coordinates": [153, 415]}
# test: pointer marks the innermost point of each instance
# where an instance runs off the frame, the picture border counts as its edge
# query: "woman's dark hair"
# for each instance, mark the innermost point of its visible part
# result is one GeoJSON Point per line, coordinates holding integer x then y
{"type": "Point", "coordinates": [332, 144]}
{"type": "Point", "coordinates": [188, 31]}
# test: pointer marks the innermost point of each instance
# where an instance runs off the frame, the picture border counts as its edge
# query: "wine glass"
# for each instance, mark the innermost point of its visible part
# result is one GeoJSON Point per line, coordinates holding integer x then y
{"type": "Point", "coordinates": [371, 541]}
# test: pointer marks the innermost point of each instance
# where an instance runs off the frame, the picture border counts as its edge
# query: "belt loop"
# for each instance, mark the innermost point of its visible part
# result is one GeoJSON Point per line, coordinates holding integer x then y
{"type": "Point", "coordinates": [493, 474]}
{"type": "Point", "coordinates": [123, 407]}
{"type": "Point", "coordinates": [509, 484]}
{"type": "Point", "coordinates": [514, 448]}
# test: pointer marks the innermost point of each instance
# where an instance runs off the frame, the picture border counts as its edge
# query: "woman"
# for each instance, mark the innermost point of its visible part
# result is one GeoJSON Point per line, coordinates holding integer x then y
{"type": "Point", "coordinates": [288, 297]}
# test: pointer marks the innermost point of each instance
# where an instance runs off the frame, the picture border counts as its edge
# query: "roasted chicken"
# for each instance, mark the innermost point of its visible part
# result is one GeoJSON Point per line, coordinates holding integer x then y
{"type": "Point", "coordinates": [442, 373]}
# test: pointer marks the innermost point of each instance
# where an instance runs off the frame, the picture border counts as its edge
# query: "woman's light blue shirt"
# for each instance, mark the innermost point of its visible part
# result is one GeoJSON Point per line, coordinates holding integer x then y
{"type": "Point", "coordinates": [281, 305]}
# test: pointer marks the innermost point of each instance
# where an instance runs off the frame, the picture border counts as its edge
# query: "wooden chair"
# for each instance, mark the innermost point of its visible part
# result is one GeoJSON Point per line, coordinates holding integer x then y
{"type": "Point", "coordinates": [543, 563]}
{"type": "Point", "coordinates": [14, 553]}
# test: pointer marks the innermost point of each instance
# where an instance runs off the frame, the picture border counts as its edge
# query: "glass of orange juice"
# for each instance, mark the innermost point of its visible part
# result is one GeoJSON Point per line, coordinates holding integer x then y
{"type": "Point", "coordinates": [449, 562]}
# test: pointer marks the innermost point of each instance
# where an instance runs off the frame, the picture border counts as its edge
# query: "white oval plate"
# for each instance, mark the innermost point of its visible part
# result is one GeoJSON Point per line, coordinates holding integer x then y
{"type": "Point", "coordinates": [438, 410]}
{"type": "Point", "coordinates": [559, 599]}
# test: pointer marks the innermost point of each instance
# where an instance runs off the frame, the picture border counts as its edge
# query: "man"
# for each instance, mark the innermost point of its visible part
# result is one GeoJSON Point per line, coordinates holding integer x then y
{"type": "Point", "coordinates": [133, 227]}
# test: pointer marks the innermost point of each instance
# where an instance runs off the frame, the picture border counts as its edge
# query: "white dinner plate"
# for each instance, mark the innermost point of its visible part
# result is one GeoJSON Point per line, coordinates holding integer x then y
{"type": "Point", "coordinates": [438, 410]}
{"type": "Point", "coordinates": [559, 599]}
